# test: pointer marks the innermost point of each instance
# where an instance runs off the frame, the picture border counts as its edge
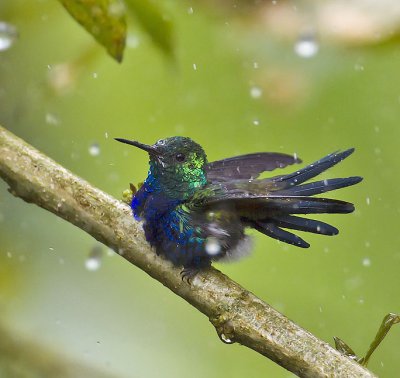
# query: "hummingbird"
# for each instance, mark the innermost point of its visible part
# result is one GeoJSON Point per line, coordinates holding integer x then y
{"type": "Point", "coordinates": [195, 212]}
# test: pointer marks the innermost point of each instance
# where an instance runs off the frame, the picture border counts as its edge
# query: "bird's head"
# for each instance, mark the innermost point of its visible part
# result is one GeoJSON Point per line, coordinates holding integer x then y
{"type": "Point", "coordinates": [177, 165]}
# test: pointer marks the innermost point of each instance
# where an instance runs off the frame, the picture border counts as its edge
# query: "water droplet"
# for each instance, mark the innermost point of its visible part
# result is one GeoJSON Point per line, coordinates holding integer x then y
{"type": "Point", "coordinates": [106, 135]}
{"type": "Point", "coordinates": [52, 119]}
{"type": "Point", "coordinates": [256, 122]}
{"type": "Point", "coordinates": [8, 35]}
{"type": "Point", "coordinates": [195, 66]}
{"type": "Point", "coordinates": [358, 67]}
{"type": "Point", "coordinates": [51, 248]}
{"type": "Point", "coordinates": [94, 149]}
{"type": "Point", "coordinates": [367, 244]}
{"type": "Point", "coordinates": [213, 246]}
{"type": "Point", "coordinates": [255, 92]}
{"type": "Point", "coordinates": [255, 65]}
{"type": "Point", "coordinates": [226, 339]}
{"type": "Point", "coordinates": [132, 41]}
{"type": "Point", "coordinates": [368, 201]}
{"type": "Point", "coordinates": [190, 10]}
{"type": "Point", "coordinates": [62, 77]}
{"type": "Point", "coordinates": [306, 46]}
{"type": "Point", "coordinates": [93, 262]}
{"type": "Point", "coordinates": [361, 301]}
{"type": "Point", "coordinates": [9, 255]}
{"type": "Point", "coordinates": [274, 2]}
{"type": "Point", "coordinates": [366, 261]}
{"type": "Point", "coordinates": [95, 75]}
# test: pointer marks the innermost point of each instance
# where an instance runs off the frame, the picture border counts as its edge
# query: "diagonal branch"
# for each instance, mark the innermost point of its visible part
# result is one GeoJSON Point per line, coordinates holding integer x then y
{"type": "Point", "coordinates": [238, 315]}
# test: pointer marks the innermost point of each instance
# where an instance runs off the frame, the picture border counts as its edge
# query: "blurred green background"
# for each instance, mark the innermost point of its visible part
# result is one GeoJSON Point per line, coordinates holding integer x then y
{"type": "Point", "coordinates": [243, 77]}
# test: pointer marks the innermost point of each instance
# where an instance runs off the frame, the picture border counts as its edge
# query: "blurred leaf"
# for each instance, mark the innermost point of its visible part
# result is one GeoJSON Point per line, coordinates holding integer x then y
{"type": "Point", "coordinates": [104, 20]}
{"type": "Point", "coordinates": [388, 321]}
{"type": "Point", "coordinates": [154, 22]}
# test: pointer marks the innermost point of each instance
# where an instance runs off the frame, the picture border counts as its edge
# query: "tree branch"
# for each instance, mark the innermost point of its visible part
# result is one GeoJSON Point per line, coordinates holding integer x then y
{"type": "Point", "coordinates": [238, 315]}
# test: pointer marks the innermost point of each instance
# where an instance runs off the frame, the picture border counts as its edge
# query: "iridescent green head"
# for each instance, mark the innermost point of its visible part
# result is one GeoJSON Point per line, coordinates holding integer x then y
{"type": "Point", "coordinates": [176, 165]}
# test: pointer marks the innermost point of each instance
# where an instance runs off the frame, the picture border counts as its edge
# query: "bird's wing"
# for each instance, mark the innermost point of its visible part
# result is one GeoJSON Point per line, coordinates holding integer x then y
{"type": "Point", "coordinates": [247, 166]}
{"type": "Point", "coordinates": [268, 204]}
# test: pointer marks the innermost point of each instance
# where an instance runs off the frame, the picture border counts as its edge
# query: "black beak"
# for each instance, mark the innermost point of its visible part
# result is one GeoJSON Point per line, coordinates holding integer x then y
{"type": "Point", "coordinates": [145, 147]}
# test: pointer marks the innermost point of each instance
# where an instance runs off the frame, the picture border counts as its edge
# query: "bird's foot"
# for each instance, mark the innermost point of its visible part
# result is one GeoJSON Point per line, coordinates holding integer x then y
{"type": "Point", "coordinates": [187, 274]}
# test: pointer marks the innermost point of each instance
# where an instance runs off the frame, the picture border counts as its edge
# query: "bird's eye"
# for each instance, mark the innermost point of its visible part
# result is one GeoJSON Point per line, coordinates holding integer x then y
{"type": "Point", "coordinates": [180, 157]}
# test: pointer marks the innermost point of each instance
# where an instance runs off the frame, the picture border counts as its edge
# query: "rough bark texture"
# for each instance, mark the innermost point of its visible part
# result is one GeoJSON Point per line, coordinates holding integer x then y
{"type": "Point", "coordinates": [237, 314]}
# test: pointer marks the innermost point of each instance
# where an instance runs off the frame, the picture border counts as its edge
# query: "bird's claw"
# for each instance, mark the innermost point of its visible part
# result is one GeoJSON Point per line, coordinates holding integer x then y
{"type": "Point", "coordinates": [187, 274]}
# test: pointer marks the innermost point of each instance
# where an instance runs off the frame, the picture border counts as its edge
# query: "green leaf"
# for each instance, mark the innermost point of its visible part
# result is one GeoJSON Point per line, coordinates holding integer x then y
{"type": "Point", "coordinates": [388, 321]}
{"type": "Point", "coordinates": [104, 20]}
{"type": "Point", "coordinates": [154, 21]}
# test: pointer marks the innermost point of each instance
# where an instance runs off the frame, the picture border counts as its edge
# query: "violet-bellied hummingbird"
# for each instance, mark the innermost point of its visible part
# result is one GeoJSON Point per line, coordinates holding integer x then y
{"type": "Point", "coordinates": [195, 212]}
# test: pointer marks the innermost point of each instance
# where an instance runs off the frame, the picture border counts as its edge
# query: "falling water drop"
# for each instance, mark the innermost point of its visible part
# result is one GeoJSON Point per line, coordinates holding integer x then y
{"type": "Point", "coordinates": [52, 119]}
{"type": "Point", "coordinates": [213, 246]}
{"type": "Point", "coordinates": [358, 67]}
{"type": "Point", "coordinates": [93, 262]}
{"type": "Point", "coordinates": [132, 41]}
{"type": "Point", "coordinates": [8, 35]}
{"type": "Point", "coordinates": [94, 149]}
{"type": "Point", "coordinates": [306, 46]}
{"type": "Point", "coordinates": [255, 92]}
{"type": "Point", "coordinates": [366, 261]}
